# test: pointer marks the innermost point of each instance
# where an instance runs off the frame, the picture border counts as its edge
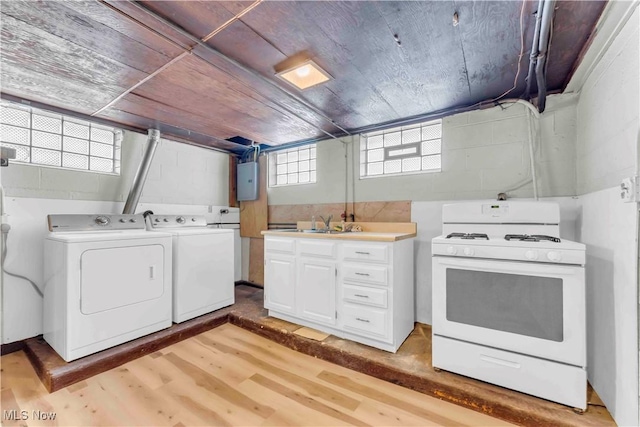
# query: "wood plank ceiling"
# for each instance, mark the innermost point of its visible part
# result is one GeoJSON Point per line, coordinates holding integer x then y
{"type": "Point", "coordinates": [142, 64]}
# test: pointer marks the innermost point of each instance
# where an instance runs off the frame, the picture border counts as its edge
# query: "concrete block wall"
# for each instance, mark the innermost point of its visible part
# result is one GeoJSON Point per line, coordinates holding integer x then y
{"type": "Point", "coordinates": [179, 174]}
{"type": "Point", "coordinates": [608, 132]}
{"type": "Point", "coordinates": [483, 153]}
{"type": "Point", "coordinates": [608, 112]}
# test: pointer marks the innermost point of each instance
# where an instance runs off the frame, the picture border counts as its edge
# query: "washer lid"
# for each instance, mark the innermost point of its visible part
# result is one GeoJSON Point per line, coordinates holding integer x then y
{"type": "Point", "coordinates": [104, 236]}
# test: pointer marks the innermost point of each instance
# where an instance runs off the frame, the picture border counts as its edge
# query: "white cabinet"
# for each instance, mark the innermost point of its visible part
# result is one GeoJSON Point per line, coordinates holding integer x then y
{"type": "Point", "coordinates": [357, 290]}
{"type": "Point", "coordinates": [280, 275]}
{"type": "Point", "coordinates": [316, 290]}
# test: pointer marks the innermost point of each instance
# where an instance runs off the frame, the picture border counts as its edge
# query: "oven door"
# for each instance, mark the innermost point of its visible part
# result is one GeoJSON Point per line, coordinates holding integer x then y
{"type": "Point", "coordinates": [530, 308]}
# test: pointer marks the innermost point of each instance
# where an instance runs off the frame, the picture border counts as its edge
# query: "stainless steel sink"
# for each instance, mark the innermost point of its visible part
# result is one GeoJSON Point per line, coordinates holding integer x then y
{"type": "Point", "coordinates": [321, 231]}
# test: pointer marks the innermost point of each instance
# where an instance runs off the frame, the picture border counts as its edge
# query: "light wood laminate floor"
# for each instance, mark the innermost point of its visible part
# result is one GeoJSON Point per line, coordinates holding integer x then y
{"type": "Point", "coordinates": [226, 377]}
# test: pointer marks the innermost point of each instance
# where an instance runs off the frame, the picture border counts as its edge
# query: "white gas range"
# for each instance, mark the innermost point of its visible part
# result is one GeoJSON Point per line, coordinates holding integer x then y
{"type": "Point", "coordinates": [509, 299]}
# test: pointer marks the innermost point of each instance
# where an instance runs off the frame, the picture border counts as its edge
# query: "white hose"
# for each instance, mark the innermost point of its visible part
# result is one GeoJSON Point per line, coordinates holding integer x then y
{"type": "Point", "coordinates": [532, 159]}
{"type": "Point", "coordinates": [533, 111]}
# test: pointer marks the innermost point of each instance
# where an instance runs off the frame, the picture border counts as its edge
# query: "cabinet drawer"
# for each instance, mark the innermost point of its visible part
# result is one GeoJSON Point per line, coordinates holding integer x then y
{"type": "Point", "coordinates": [365, 320]}
{"type": "Point", "coordinates": [374, 274]}
{"type": "Point", "coordinates": [287, 246]}
{"type": "Point", "coordinates": [361, 252]}
{"type": "Point", "coordinates": [369, 296]}
{"type": "Point", "coordinates": [317, 248]}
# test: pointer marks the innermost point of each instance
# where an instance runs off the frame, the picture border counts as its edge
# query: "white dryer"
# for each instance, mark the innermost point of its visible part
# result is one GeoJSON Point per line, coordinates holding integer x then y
{"type": "Point", "coordinates": [203, 264]}
{"type": "Point", "coordinates": [107, 281]}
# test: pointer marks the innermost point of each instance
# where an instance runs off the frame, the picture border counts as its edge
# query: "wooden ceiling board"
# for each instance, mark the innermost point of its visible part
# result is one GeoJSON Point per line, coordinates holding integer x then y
{"type": "Point", "coordinates": [275, 22]}
{"type": "Point", "coordinates": [189, 90]}
{"type": "Point", "coordinates": [266, 90]}
{"type": "Point", "coordinates": [360, 34]}
{"type": "Point", "coordinates": [235, 7]}
{"type": "Point", "coordinates": [36, 51]}
{"type": "Point", "coordinates": [199, 18]}
{"type": "Point", "coordinates": [491, 39]}
{"type": "Point", "coordinates": [74, 27]}
{"type": "Point", "coordinates": [39, 87]}
{"type": "Point", "coordinates": [428, 49]}
{"type": "Point", "coordinates": [202, 123]}
{"type": "Point", "coordinates": [133, 13]}
{"type": "Point", "coordinates": [173, 116]}
{"type": "Point", "coordinates": [401, 74]}
{"type": "Point", "coordinates": [170, 132]}
{"type": "Point", "coordinates": [573, 25]}
{"type": "Point", "coordinates": [111, 18]}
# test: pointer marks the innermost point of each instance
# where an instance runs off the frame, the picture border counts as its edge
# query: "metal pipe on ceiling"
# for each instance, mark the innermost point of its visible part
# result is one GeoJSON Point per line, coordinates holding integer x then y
{"type": "Point", "coordinates": [143, 169]}
{"type": "Point", "coordinates": [245, 69]}
{"type": "Point", "coordinates": [543, 46]}
{"type": "Point", "coordinates": [533, 57]}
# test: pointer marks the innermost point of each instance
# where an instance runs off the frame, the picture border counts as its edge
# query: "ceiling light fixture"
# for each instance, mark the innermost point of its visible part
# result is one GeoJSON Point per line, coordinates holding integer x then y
{"type": "Point", "coordinates": [305, 75]}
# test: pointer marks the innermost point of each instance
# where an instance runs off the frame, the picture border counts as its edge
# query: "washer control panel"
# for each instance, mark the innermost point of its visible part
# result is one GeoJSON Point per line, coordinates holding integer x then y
{"type": "Point", "coordinates": [97, 222]}
{"type": "Point", "coordinates": [177, 221]}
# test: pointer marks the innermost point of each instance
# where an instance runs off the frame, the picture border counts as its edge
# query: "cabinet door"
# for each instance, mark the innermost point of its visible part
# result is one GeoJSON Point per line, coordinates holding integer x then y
{"type": "Point", "coordinates": [279, 283]}
{"type": "Point", "coordinates": [316, 290]}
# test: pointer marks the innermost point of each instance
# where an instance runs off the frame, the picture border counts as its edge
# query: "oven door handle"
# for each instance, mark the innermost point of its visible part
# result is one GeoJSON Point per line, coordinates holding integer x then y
{"type": "Point", "coordinates": [497, 266]}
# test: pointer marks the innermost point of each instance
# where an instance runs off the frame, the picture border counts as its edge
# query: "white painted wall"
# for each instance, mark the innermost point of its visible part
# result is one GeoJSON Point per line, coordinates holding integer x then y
{"type": "Point", "coordinates": [609, 228]}
{"type": "Point", "coordinates": [607, 151]}
{"type": "Point", "coordinates": [182, 178]}
{"type": "Point", "coordinates": [607, 114]}
{"type": "Point", "coordinates": [179, 174]}
{"type": "Point", "coordinates": [483, 153]}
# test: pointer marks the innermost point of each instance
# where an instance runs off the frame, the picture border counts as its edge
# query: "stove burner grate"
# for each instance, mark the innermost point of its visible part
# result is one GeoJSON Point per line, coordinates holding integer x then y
{"type": "Point", "coordinates": [468, 236]}
{"type": "Point", "coordinates": [531, 238]}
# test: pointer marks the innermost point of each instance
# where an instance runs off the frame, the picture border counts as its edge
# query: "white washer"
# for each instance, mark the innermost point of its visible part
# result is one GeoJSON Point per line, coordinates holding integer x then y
{"type": "Point", "coordinates": [107, 281]}
{"type": "Point", "coordinates": [203, 264]}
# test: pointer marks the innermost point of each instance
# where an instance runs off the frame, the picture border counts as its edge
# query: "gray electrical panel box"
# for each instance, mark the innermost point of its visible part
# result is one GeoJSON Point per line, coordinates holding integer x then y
{"type": "Point", "coordinates": [248, 183]}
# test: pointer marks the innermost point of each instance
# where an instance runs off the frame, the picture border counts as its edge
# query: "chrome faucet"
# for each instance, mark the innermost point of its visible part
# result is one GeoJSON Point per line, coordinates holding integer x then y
{"type": "Point", "coordinates": [327, 221]}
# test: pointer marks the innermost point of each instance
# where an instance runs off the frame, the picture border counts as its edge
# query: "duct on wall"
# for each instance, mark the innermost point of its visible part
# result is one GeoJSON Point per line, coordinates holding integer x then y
{"type": "Point", "coordinates": [141, 175]}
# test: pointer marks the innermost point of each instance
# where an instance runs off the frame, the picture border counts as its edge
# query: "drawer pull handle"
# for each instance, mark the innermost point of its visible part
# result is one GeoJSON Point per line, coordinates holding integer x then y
{"type": "Point", "coordinates": [362, 274]}
{"type": "Point", "coordinates": [361, 296]}
{"type": "Point", "coordinates": [362, 320]}
{"type": "Point", "coordinates": [502, 362]}
{"type": "Point", "coordinates": [363, 253]}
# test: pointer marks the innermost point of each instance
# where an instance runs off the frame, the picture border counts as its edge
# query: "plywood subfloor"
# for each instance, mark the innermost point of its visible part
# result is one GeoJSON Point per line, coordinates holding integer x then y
{"type": "Point", "coordinates": [226, 376]}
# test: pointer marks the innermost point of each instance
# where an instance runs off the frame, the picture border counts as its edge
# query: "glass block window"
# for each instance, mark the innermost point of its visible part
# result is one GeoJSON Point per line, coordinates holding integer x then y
{"type": "Point", "coordinates": [293, 166]}
{"type": "Point", "coordinates": [49, 139]}
{"type": "Point", "coordinates": [402, 150]}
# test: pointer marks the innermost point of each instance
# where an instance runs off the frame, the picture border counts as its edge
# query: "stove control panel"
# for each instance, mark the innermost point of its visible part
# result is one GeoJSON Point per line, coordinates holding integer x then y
{"type": "Point", "coordinates": [177, 221]}
{"type": "Point", "coordinates": [524, 254]}
{"type": "Point", "coordinates": [99, 222]}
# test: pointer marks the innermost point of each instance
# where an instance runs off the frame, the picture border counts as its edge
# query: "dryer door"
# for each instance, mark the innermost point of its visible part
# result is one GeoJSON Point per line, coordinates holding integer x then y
{"type": "Point", "coordinates": [117, 277]}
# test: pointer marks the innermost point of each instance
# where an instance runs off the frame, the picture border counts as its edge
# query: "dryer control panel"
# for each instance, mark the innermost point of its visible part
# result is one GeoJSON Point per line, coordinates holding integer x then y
{"type": "Point", "coordinates": [177, 221]}
{"type": "Point", "coordinates": [97, 222]}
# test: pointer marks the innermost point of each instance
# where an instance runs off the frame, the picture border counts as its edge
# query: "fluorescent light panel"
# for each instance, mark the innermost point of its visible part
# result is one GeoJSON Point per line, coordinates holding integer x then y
{"type": "Point", "coordinates": [305, 75]}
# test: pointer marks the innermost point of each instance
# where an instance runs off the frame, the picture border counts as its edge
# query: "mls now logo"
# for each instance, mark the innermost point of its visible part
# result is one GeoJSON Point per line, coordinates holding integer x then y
{"type": "Point", "coordinates": [15, 415]}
